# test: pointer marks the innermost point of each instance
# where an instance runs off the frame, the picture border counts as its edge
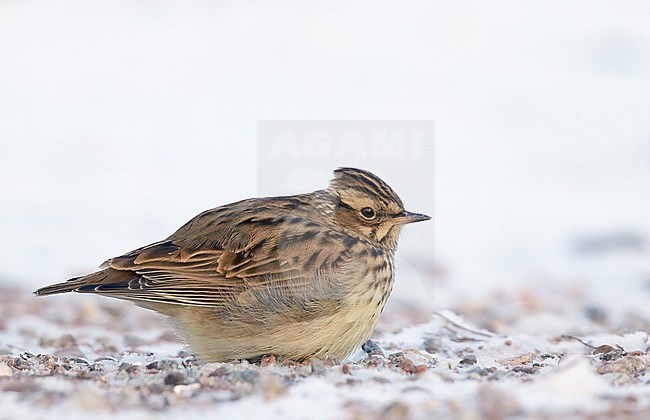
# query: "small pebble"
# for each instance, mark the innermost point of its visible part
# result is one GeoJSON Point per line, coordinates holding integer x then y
{"type": "Point", "coordinates": [346, 369]}
{"type": "Point", "coordinates": [5, 370]}
{"type": "Point", "coordinates": [175, 378]}
{"type": "Point", "coordinates": [372, 348]}
{"type": "Point", "coordinates": [530, 370]}
{"type": "Point", "coordinates": [605, 348]}
{"type": "Point", "coordinates": [187, 390]}
{"type": "Point", "coordinates": [409, 367]}
{"type": "Point", "coordinates": [432, 345]}
{"type": "Point", "coordinates": [469, 360]}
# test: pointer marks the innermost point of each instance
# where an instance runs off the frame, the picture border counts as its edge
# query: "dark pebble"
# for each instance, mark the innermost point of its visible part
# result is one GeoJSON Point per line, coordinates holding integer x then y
{"type": "Point", "coordinates": [530, 370]}
{"type": "Point", "coordinates": [372, 348]}
{"type": "Point", "coordinates": [432, 345]}
{"type": "Point", "coordinates": [613, 355]}
{"type": "Point", "coordinates": [469, 360]}
{"type": "Point", "coordinates": [175, 378]}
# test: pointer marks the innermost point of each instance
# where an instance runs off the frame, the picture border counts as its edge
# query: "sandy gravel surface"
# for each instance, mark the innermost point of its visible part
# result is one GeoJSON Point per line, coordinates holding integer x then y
{"type": "Point", "coordinates": [75, 356]}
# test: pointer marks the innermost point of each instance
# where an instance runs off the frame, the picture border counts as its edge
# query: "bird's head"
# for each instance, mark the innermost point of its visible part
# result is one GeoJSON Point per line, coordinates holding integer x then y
{"type": "Point", "coordinates": [367, 206]}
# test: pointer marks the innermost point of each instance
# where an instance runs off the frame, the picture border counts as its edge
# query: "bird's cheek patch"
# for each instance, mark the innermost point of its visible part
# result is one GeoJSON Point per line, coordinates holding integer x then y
{"type": "Point", "coordinates": [382, 231]}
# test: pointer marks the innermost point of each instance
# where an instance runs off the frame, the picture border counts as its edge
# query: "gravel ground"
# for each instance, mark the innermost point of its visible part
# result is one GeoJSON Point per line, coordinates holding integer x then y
{"type": "Point", "coordinates": [73, 356]}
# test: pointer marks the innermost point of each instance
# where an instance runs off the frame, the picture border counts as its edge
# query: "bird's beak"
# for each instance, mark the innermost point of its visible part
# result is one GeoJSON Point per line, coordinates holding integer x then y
{"type": "Point", "coordinates": [408, 217]}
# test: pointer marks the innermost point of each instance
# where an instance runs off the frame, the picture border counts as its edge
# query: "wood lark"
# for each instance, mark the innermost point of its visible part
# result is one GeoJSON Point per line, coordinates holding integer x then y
{"type": "Point", "coordinates": [296, 276]}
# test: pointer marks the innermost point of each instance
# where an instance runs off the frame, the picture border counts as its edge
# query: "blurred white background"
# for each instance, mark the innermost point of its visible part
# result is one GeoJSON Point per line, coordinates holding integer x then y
{"type": "Point", "coordinates": [121, 120]}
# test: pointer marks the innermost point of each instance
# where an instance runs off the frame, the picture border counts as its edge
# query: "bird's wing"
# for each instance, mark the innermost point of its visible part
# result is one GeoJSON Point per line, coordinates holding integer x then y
{"type": "Point", "coordinates": [285, 261]}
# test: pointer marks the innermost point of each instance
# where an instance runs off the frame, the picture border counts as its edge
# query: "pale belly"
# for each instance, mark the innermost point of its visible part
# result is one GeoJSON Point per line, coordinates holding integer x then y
{"type": "Point", "coordinates": [336, 335]}
{"type": "Point", "coordinates": [336, 332]}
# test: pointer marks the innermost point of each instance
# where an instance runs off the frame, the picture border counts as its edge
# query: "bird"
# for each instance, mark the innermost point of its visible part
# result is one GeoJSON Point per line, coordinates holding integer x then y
{"type": "Point", "coordinates": [295, 277]}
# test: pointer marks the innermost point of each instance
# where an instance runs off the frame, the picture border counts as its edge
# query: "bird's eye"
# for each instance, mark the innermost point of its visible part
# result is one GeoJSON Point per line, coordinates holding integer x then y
{"type": "Point", "coordinates": [368, 213]}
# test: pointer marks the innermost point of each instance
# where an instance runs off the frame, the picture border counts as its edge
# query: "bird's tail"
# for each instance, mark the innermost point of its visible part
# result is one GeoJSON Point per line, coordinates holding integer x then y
{"type": "Point", "coordinates": [71, 285]}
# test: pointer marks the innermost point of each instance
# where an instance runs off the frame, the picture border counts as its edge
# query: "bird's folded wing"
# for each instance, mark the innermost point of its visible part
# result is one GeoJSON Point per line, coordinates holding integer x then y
{"type": "Point", "coordinates": [169, 272]}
